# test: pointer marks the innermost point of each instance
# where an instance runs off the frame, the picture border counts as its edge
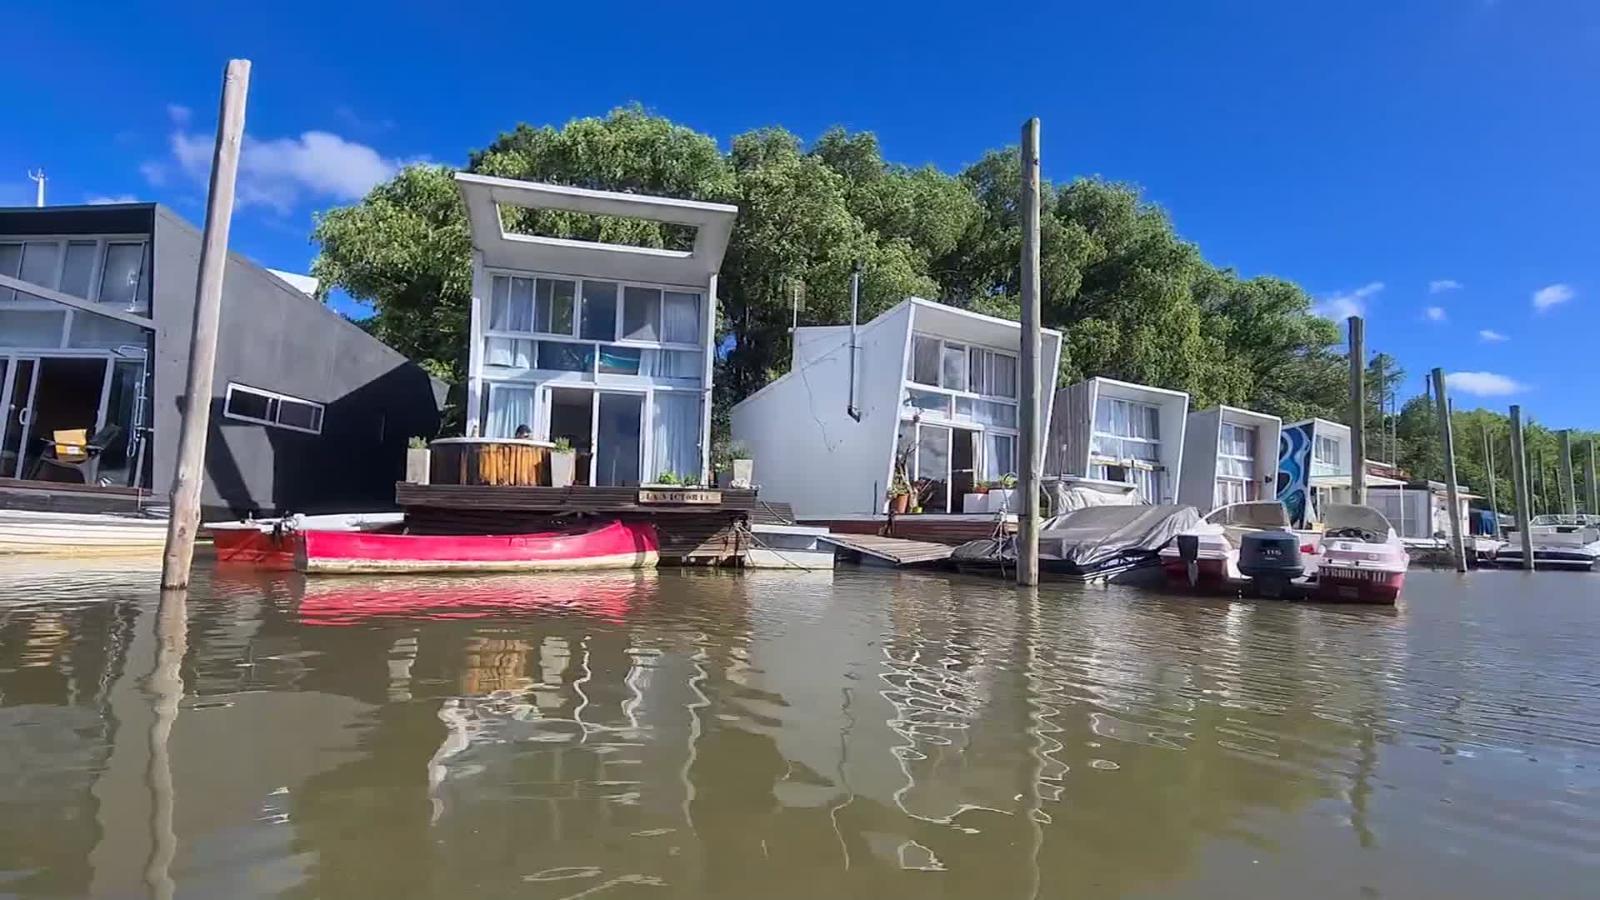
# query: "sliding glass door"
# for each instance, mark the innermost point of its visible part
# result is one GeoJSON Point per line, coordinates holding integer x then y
{"type": "Point", "coordinates": [619, 438]}
{"type": "Point", "coordinates": [19, 377]}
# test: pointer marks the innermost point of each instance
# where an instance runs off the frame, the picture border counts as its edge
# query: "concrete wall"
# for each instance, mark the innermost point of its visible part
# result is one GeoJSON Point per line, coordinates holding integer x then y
{"type": "Point", "coordinates": [1198, 482]}
{"type": "Point", "coordinates": [274, 338]}
{"type": "Point", "coordinates": [807, 450]}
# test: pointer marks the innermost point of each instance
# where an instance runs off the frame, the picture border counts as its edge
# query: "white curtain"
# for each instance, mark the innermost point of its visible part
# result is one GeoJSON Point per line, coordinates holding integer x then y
{"type": "Point", "coordinates": [672, 363]}
{"type": "Point", "coordinates": [509, 407]}
{"type": "Point", "coordinates": [675, 432]}
{"type": "Point", "coordinates": [680, 322]}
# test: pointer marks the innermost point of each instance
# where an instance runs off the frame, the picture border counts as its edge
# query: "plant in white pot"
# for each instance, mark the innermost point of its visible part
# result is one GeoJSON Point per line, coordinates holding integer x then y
{"type": "Point", "coordinates": [741, 466]}
{"type": "Point", "coordinates": [563, 463]}
{"type": "Point", "coordinates": [419, 460]}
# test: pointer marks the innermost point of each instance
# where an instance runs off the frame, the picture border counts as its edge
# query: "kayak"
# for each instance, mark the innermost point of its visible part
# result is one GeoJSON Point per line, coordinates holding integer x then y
{"type": "Point", "coordinates": [612, 545]}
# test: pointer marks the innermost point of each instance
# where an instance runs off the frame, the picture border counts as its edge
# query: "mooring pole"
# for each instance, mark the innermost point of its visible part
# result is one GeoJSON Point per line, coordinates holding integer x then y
{"type": "Point", "coordinates": [1488, 468]}
{"type": "Point", "coordinates": [1519, 483]}
{"type": "Point", "coordinates": [1594, 492]}
{"type": "Point", "coordinates": [1570, 498]}
{"type": "Point", "coordinates": [1028, 359]}
{"type": "Point", "coordinates": [1452, 491]}
{"type": "Point", "coordinates": [1358, 410]}
{"type": "Point", "coordinates": [186, 481]}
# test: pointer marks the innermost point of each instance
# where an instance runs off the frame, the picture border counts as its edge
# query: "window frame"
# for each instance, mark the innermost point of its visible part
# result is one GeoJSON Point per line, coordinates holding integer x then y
{"type": "Point", "coordinates": [276, 399]}
{"type": "Point", "coordinates": [1095, 432]}
{"type": "Point", "coordinates": [102, 242]}
{"type": "Point", "coordinates": [661, 289]}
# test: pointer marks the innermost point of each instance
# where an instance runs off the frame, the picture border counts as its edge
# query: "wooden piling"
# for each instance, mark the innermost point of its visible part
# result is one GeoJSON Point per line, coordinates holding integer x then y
{"type": "Point", "coordinates": [186, 482]}
{"type": "Point", "coordinates": [1488, 470]}
{"type": "Point", "coordinates": [1520, 484]}
{"type": "Point", "coordinates": [1358, 410]}
{"type": "Point", "coordinates": [1447, 437]}
{"type": "Point", "coordinates": [1569, 487]}
{"type": "Point", "coordinates": [1028, 518]}
{"type": "Point", "coordinates": [1594, 490]}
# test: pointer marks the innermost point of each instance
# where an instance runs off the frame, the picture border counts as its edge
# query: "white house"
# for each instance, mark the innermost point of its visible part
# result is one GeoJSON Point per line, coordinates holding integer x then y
{"type": "Point", "coordinates": [1230, 455]}
{"type": "Point", "coordinates": [1117, 431]}
{"type": "Point", "coordinates": [940, 381]}
{"type": "Point", "coordinates": [1314, 464]}
{"type": "Point", "coordinates": [607, 345]}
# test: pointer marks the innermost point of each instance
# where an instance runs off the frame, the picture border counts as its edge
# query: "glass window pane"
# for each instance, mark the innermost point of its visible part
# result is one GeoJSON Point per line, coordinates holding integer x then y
{"type": "Point", "coordinates": [990, 412]}
{"type": "Point", "coordinates": [928, 401]}
{"type": "Point", "coordinates": [999, 456]}
{"type": "Point", "coordinates": [249, 404]}
{"type": "Point", "coordinates": [510, 352]}
{"type": "Point", "coordinates": [500, 303]}
{"type": "Point", "coordinates": [99, 332]}
{"type": "Point", "coordinates": [10, 264]}
{"type": "Point", "coordinates": [680, 320]}
{"type": "Point", "coordinates": [599, 320]}
{"type": "Point", "coordinates": [560, 356]}
{"type": "Point", "coordinates": [1102, 416]}
{"type": "Point", "coordinates": [519, 316]}
{"type": "Point", "coordinates": [641, 314]}
{"type": "Point", "coordinates": [955, 367]}
{"type": "Point", "coordinates": [619, 360]}
{"type": "Point", "coordinates": [672, 363]}
{"type": "Point", "coordinates": [31, 328]}
{"type": "Point", "coordinates": [119, 285]}
{"type": "Point", "coordinates": [964, 408]}
{"type": "Point", "coordinates": [40, 262]}
{"type": "Point", "coordinates": [933, 453]}
{"type": "Point", "coordinates": [299, 415]}
{"type": "Point", "coordinates": [553, 313]}
{"type": "Point", "coordinates": [78, 275]}
{"type": "Point", "coordinates": [924, 360]}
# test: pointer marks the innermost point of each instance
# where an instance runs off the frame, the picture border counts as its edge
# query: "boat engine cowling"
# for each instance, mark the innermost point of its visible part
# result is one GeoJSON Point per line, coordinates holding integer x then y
{"type": "Point", "coordinates": [1271, 559]}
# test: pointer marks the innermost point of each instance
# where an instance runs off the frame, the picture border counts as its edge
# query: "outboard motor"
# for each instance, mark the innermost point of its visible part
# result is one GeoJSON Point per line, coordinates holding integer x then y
{"type": "Point", "coordinates": [1189, 552]}
{"type": "Point", "coordinates": [1271, 559]}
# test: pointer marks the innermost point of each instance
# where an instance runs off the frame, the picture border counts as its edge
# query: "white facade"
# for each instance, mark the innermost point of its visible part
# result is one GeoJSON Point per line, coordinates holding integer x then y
{"type": "Point", "coordinates": [939, 381]}
{"type": "Point", "coordinates": [1117, 431]}
{"type": "Point", "coordinates": [608, 346]}
{"type": "Point", "coordinates": [1230, 455]}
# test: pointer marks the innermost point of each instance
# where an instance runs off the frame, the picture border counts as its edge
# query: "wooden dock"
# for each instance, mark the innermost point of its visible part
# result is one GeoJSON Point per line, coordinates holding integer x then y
{"type": "Point", "coordinates": [64, 497]}
{"type": "Point", "coordinates": [899, 551]}
{"type": "Point", "coordinates": [951, 529]}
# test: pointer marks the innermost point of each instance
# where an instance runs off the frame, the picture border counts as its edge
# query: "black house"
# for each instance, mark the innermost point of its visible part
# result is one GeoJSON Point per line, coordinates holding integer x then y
{"type": "Point", "coordinates": [309, 413]}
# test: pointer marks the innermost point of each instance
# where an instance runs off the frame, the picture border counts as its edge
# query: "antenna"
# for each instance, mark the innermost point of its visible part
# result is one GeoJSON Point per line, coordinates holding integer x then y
{"type": "Point", "coordinates": [38, 177]}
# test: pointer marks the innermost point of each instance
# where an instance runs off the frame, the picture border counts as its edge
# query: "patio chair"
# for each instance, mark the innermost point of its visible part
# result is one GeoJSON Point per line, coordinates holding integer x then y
{"type": "Point", "coordinates": [69, 449]}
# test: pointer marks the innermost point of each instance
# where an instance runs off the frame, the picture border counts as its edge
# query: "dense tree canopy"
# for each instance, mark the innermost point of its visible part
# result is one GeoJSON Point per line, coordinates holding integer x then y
{"type": "Point", "coordinates": [1134, 300]}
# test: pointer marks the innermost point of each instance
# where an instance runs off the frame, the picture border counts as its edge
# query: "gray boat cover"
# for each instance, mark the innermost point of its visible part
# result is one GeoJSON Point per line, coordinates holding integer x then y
{"type": "Point", "coordinates": [1086, 538]}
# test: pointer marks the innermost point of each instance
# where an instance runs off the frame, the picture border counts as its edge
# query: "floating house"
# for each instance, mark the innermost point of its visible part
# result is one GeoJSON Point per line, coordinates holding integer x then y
{"type": "Point", "coordinates": [1314, 469]}
{"type": "Point", "coordinates": [1419, 509]}
{"type": "Point", "coordinates": [931, 385]}
{"type": "Point", "coordinates": [1112, 430]}
{"type": "Point", "coordinates": [608, 346]}
{"type": "Point", "coordinates": [1230, 455]}
{"type": "Point", "coordinates": [309, 412]}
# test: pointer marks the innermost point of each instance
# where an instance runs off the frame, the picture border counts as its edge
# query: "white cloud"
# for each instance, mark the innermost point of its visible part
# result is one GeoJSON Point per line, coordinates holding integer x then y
{"type": "Point", "coordinates": [1343, 305]}
{"type": "Point", "coordinates": [1483, 384]}
{"type": "Point", "coordinates": [179, 114]}
{"type": "Point", "coordinates": [1490, 336]}
{"type": "Point", "coordinates": [104, 199]}
{"type": "Point", "coordinates": [1440, 285]}
{"type": "Point", "coordinates": [1435, 314]}
{"type": "Point", "coordinates": [279, 173]}
{"type": "Point", "coordinates": [1552, 295]}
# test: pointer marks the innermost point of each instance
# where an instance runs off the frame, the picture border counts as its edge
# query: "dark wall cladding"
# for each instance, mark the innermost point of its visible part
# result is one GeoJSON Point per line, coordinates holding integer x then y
{"type": "Point", "coordinates": [121, 218]}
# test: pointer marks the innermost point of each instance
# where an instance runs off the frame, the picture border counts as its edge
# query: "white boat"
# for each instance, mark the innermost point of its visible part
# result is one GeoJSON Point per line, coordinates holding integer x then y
{"type": "Point", "coordinates": [788, 547]}
{"type": "Point", "coordinates": [79, 534]}
{"type": "Point", "coordinates": [1363, 560]}
{"type": "Point", "coordinates": [1220, 536]}
{"type": "Point", "coordinates": [1559, 542]}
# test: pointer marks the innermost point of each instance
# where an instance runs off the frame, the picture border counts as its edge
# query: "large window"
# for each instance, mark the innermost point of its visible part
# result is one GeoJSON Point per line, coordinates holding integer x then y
{"type": "Point", "coordinates": [1236, 464]}
{"type": "Point", "coordinates": [249, 404]}
{"type": "Point", "coordinates": [1126, 429]}
{"type": "Point", "coordinates": [104, 270]}
{"type": "Point", "coordinates": [599, 327]}
{"type": "Point", "coordinates": [1325, 450]}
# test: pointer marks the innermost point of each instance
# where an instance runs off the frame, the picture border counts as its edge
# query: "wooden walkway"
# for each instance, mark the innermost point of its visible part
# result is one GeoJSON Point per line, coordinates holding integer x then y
{"type": "Point", "coordinates": [899, 551]}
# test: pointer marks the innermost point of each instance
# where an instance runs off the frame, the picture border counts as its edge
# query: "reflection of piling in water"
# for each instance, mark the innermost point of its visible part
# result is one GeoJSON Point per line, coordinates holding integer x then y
{"type": "Point", "coordinates": [166, 690]}
{"type": "Point", "coordinates": [494, 664]}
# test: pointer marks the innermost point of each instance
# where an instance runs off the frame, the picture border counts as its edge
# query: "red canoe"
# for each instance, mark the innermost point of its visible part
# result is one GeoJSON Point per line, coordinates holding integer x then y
{"type": "Point", "coordinates": [614, 545]}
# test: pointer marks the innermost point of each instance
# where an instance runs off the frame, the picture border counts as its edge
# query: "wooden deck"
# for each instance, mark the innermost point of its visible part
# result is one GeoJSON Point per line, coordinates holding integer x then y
{"type": "Point", "coordinates": [933, 529]}
{"type": "Point", "coordinates": [898, 551]}
{"type": "Point", "coordinates": [56, 496]}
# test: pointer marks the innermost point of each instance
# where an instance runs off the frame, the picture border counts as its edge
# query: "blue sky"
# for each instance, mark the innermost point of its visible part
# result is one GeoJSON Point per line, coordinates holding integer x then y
{"type": "Point", "coordinates": [1434, 164]}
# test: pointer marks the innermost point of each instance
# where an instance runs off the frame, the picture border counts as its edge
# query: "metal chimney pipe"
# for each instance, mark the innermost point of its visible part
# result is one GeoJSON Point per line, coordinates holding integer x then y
{"type": "Point", "coordinates": [855, 325]}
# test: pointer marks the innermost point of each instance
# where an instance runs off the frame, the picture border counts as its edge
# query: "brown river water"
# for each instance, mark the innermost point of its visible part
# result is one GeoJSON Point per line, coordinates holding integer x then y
{"type": "Point", "coordinates": [855, 734]}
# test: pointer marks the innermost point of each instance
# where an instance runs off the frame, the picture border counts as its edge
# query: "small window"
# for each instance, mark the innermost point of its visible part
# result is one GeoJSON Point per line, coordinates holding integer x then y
{"type": "Point", "coordinates": [599, 319]}
{"type": "Point", "coordinates": [925, 360]}
{"type": "Point", "coordinates": [119, 285]}
{"type": "Point", "coordinates": [560, 356]}
{"type": "Point", "coordinates": [619, 360]}
{"type": "Point", "coordinates": [955, 367]}
{"type": "Point", "coordinates": [553, 314]}
{"type": "Point", "coordinates": [641, 314]}
{"type": "Point", "coordinates": [267, 408]}
{"type": "Point", "coordinates": [77, 277]}
{"type": "Point", "coordinates": [680, 320]}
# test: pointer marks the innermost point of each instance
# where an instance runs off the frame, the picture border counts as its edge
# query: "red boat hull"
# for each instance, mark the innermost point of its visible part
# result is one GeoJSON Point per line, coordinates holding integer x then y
{"type": "Point", "coordinates": [1348, 586]}
{"type": "Point", "coordinates": [617, 545]}
{"type": "Point", "coordinates": [255, 547]}
{"type": "Point", "coordinates": [1213, 574]}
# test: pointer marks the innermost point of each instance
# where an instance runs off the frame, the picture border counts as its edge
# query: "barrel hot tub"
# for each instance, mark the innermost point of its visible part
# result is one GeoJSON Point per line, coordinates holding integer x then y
{"type": "Point", "coordinates": [489, 461]}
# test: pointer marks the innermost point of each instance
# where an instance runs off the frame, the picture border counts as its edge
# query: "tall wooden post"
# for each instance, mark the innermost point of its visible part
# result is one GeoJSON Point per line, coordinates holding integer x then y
{"type": "Point", "coordinates": [1594, 490]}
{"type": "Point", "coordinates": [1488, 468]}
{"type": "Point", "coordinates": [1447, 437]}
{"type": "Point", "coordinates": [1519, 483]}
{"type": "Point", "coordinates": [187, 479]}
{"type": "Point", "coordinates": [1568, 485]}
{"type": "Point", "coordinates": [1028, 524]}
{"type": "Point", "coordinates": [1358, 411]}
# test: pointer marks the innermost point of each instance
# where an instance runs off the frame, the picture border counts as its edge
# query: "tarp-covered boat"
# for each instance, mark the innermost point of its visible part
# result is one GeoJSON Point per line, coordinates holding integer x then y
{"type": "Point", "coordinates": [1092, 544]}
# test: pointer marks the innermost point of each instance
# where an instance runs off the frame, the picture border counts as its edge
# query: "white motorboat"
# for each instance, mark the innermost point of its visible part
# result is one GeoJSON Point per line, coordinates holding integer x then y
{"type": "Point", "coordinates": [1559, 542]}
{"type": "Point", "coordinates": [1363, 560]}
{"type": "Point", "coordinates": [1219, 537]}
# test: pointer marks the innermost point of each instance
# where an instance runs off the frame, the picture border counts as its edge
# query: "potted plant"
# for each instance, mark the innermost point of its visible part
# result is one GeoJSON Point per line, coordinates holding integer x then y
{"type": "Point", "coordinates": [1002, 496]}
{"type": "Point", "coordinates": [418, 461]}
{"type": "Point", "coordinates": [899, 495]}
{"type": "Point", "coordinates": [734, 464]}
{"type": "Point", "coordinates": [563, 463]}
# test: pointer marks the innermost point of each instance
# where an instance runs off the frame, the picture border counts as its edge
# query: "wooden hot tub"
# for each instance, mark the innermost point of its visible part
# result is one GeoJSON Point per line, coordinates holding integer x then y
{"type": "Point", "coordinates": [489, 461]}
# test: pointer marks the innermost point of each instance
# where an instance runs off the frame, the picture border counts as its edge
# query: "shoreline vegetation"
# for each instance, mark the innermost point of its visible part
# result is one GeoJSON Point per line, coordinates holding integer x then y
{"type": "Point", "coordinates": [1133, 299]}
